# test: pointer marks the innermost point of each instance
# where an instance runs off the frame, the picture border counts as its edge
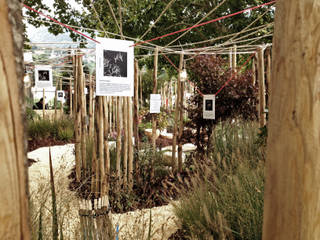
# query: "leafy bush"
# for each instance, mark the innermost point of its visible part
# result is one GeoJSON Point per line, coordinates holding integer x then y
{"type": "Point", "coordinates": [236, 100]}
{"type": "Point", "coordinates": [227, 197]}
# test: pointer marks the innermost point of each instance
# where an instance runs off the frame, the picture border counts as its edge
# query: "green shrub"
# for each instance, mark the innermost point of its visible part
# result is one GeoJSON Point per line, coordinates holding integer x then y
{"type": "Point", "coordinates": [226, 196]}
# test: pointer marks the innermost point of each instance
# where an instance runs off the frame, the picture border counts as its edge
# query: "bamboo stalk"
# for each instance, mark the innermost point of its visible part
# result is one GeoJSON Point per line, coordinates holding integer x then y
{"type": "Point", "coordinates": [70, 96]}
{"type": "Point", "coordinates": [154, 91]}
{"type": "Point", "coordinates": [78, 127]}
{"type": "Point", "coordinates": [180, 128]}
{"type": "Point", "coordinates": [101, 142]}
{"type": "Point", "coordinates": [91, 112]}
{"type": "Point", "coordinates": [55, 101]}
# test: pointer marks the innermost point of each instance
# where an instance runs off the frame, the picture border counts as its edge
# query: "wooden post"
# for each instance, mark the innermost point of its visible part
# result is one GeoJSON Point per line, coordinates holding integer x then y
{"type": "Point", "coordinates": [43, 103]}
{"type": "Point", "coordinates": [180, 127]}
{"type": "Point", "coordinates": [91, 111]}
{"type": "Point", "coordinates": [130, 144]}
{"type": "Point", "coordinates": [269, 71]}
{"type": "Point", "coordinates": [70, 96]}
{"type": "Point", "coordinates": [83, 122]}
{"type": "Point", "coordinates": [118, 143]}
{"type": "Point", "coordinates": [55, 101]}
{"type": "Point", "coordinates": [292, 193]}
{"type": "Point", "coordinates": [234, 59]}
{"type": "Point", "coordinates": [75, 82]}
{"type": "Point", "coordinates": [13, 196]}
{"type": "Point", "coordinates": [77, 125]}
{"type": "Point", "coordinates": [140, 85]}
{"type": "Point", "coordinates": [106, 147]}
{"type": "Point", "coordinates": [230, 58]}
{"type": "Point", "coordinates": [61, 104]}
{"type": "Point", "coordinates": [254, 72]}
{"type": "Point", "coordinates": [262, 88]}
{"type": "Point", "coordinates": [101, 142]}
{"type": "Point", "coordinates": [125, 141]}
{"type": "Point", "coordinates": [176, 116]}
{"type": "Point", "coordinates": [154, 91]}
{"type": "Point", "coordinates": [136, 106]}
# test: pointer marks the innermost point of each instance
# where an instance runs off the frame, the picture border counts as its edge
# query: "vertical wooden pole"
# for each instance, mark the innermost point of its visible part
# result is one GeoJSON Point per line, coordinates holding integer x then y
{"type": "Point", "coordinates": [136, 106]}
{"type": "Point", "coordinates": [77, 109]}
{"type": "Point", "coordinates": [44, 103]}
{"type": "Point", "coordinates": [181, 106]}
{"type": "Point", "coordinates": [70, 96]}
{"type": "Point", "coordinates": [125, 141]}
{"type": "Point", "coordinates": [114, 108]}
{"type": "Point", "coordinates": [269, 70]}
{"type": "Point", "coordinates": [292, 193]}
{"type": "Point", "coordinates": [91, 111]}
{"type": "Point", "coordinates": [61, 104]}
{"type": "Point", "coordinates": [234, 59]}
{"type": "Point", "coordinates": [101, 142]}
{"type": "Point", "coordinates": [55, 101]}
{"type": "Point", "coordinates": [262, 88]}
{"type": "Point", "coordinates": [230, 58]}
{"type": "Point", "coordinates": [83, 122]}
{"type": "Point", "coordinates": [154, 91]}
{"type": "Point", "coordinates": [176, 116]}
{"type": "Point", "coordinates": [140, 85]}
{"type": "Point", "coordinates": [254, 72]}
{"type": "Point", "coordinates": [118, 143]}
{"type": "Point", "coordinates": [13, 190]}
{"type": "Point", "coordinates": [96, 149]}
{"type": "Point", "coordinates": [130, 144]}
{"type": "Point", "coordinates": [75, 82]}
{"type": "Point", "coordinates": [106, 146]}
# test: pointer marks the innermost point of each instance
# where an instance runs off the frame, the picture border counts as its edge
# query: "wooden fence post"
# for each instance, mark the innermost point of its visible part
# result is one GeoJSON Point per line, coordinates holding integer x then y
{"type": "Point", "coordinates": [130, 144]}
{"type": "Point", "coordinates": [154, 91]}
{"type": "Point", "coordinates": [125, 141]}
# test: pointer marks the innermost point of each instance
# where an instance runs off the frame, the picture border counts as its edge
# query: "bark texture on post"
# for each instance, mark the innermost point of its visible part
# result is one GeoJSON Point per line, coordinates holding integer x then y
{"type": "Point", "coordinates": [13, 188]}
{"type": "Point", "coordinates": [292, 193]}
{"type": "Point", "coordinates": [130, 144]}
{"type": "Point", "coordinates": [125, 141]}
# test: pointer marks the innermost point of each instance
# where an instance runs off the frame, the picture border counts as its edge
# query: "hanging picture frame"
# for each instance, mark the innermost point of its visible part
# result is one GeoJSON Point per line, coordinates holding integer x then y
{"type": "Point", "coordinates": [209, 106]}
{"type": "Point", "coordinates": [155, 103]}
{"type": "Point", "coordinates": [60, 95]}
{"type": "Point", "coordinates": [114, 67]}
{"type": "Point", "coordinates": [43, 76]}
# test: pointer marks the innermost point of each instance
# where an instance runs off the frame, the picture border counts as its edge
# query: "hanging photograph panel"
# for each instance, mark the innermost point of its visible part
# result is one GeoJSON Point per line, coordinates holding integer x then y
{"type": "Point", "coordinates": [43, 76]}
{"type": "Point", "coordinates": [114, 67]}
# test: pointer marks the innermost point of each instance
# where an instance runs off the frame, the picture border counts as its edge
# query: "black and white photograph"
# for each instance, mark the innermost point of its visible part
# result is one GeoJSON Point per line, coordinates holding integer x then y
{"type": "Point", "coordinates": [115, 64]}
{"type": "Point", "coordinates": [60, 95]}
{"type": "Point", "coordinates": [44, 75]}
{"type": "Point", "coordinates": [209, 104]}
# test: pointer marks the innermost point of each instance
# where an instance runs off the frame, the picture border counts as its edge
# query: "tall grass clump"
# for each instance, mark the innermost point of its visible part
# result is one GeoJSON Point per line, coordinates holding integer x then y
{"type": "Point", "coordinates": [226, 196]}
{"type": "Point", "coordinates": [60, 129]}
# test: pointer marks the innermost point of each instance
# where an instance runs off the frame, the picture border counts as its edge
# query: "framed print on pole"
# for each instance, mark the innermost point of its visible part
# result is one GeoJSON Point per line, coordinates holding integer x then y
{"type": "Point", "coordinates": [209, 106]}
{"type": "Point", "coordinates": [43, 76]}
{"type": "Point", "coordinates": [114, 67]}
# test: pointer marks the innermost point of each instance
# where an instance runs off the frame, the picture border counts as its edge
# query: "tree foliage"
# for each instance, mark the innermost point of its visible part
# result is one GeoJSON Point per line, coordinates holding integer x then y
{"type": "Point", "coordinates": [237, 100]}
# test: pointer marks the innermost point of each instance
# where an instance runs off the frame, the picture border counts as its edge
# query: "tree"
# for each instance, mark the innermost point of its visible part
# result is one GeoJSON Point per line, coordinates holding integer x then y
{"type": "Point", "coordinates": [13, 197]}
{"type": "Point", "coordinates": [236, 100]}
{"type": "Point", "coordinates": [292, 194]}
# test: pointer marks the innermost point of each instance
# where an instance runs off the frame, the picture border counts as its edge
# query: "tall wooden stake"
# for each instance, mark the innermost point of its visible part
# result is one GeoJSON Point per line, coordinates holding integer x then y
{"type": "Point", "coordinates": [136, 115]}
{"type": "Point", "coordinates": [91, 111]}
{"type": "Point", "coordinates": [292, 193]}
{"type": "Point", "coordinates": [77, 125]}
{"type": "Point", "coordinates": [269, 70]}
{"type": "Point", "coordinates": [106, 146]}
{"type": "Point", "coordinates": [154, 91]}
{"type": "Point", "coordinates": [181, 106]}
{"type": "Point", "coordinates": [234, 59]}
{"type": "Point", "coordinates": [44, 103]}
{"type": "Point", "coordinates": [70, 96]}
{"type": "Point", "coordinates": [130, 144]}
{"type": "Point", "coordinates": [262, 88]}
{"type": "Point", "coordinates": [118, 144]}
{"type": "Point", "coordinates": [101, 142]}
{"type": "Point", "coordinates": [176, 116]}
{"type": "Point", "coordinates": [125, 141]}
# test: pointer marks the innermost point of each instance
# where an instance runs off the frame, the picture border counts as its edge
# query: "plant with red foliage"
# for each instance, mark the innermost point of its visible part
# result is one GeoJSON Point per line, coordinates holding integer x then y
{"type": "Point", "coordinates": [236, 101]}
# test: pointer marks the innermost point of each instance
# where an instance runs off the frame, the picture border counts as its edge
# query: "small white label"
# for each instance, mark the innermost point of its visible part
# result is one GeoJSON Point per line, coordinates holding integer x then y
{"type": "Point", "coordinates": [155, 103]}
{"type": "Point", "coordinates": [209, 106]}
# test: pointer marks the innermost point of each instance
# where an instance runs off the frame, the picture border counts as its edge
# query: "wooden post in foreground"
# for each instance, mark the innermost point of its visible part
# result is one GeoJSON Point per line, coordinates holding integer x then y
{"type": "Point", "coordinates": [13, 188]}
{"type": "Point", "coordinates": [181, 126]}
{"type": "Point", "coordinates": [262, 88]}
{"type": "Point", "coordinates": [176, 116]}
{"type": "Point", "coordinates": [292, 193]}
{"type": "Point", "coordinates": [130, 144]}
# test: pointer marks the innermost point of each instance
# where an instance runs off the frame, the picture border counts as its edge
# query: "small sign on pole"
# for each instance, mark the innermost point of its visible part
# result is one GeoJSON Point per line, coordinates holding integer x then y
{"type": "Point", "coordinates": [60, 95]}
{"type": "Point", "coordinates": [155, 103]}
{"type": "Point", "coordinates": [114, 67]}
{"type": "Point", "coordinates": [209, 106]}
{"type": "Point", "coordinates": [43, 76]}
